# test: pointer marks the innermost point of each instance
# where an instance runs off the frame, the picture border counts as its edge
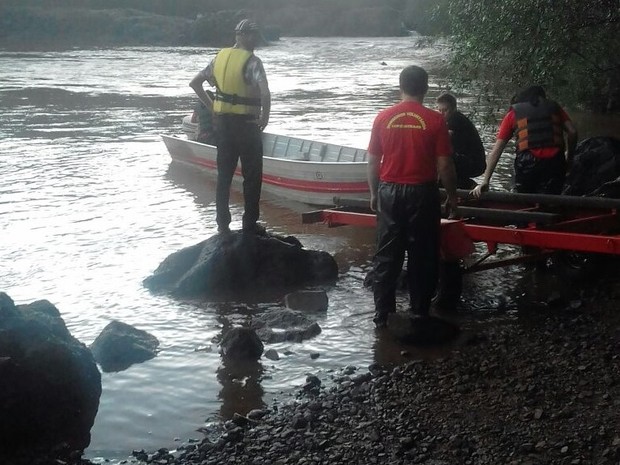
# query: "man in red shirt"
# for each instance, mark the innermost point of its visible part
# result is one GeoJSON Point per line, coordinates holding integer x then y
{"type": "Point", "coordinates": [543, 156]}
{"type": "Point", "coordinates": [409, 146]}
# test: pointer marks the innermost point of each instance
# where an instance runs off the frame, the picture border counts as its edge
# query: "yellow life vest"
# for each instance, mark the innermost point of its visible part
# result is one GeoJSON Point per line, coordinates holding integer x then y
{"type": "Point", "coordinates": [233, 94]}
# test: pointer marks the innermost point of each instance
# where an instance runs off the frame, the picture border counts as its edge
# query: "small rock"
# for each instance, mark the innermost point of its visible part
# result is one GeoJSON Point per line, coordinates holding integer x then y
{"type": "Point", "coordinates": [272, 354]}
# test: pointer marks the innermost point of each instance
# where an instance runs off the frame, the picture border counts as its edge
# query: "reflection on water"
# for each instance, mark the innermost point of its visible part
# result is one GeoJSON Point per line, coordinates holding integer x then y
{"type": "Point", "coordinates": [241, 387]}
{"type": "Point", "coordinates": [90, 205]}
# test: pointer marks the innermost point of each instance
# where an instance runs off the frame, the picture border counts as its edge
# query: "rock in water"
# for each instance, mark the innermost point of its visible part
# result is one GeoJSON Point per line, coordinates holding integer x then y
{"type": "Point", "coordinates": [49, 383]}
{"type": "Point", "coordinates": [238, 264]}
{"type": "Point", "coordinates": [309, 301]}
{"type": "Point", "coordinates": [120, 345]}
{"type": "Point", "coordinates": [241, 344]}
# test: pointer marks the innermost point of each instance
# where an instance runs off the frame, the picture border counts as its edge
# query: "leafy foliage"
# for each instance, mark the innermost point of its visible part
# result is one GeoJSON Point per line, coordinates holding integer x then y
{"type": "Point", "coordinates": [572, 47]}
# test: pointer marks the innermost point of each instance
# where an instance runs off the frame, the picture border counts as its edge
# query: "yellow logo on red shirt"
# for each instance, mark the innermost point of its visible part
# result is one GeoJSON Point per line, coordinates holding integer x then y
{"type": "Point", "coordinates": [407, 120]}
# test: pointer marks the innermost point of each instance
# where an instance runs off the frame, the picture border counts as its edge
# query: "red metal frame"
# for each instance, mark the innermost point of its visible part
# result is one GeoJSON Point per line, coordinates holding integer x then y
{"type": "Point", "coordinates": [582, 230]}
{"type": "Point", "coordinates": [528, 236]}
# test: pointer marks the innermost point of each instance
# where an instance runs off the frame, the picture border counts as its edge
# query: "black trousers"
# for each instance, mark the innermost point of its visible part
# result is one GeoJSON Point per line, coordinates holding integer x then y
{"type": "Point", "coordinates": [238, 138]}
{"type": "Point", "coordinates": [535, 175]}
{"type": "Point", "coordinates": [467, 167]}
{"type": "Point", "coordinates": [408, 220]}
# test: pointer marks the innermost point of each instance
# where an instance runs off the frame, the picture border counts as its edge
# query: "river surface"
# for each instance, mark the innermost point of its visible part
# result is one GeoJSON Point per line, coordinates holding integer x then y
{"type": "Point", "coordinates": [90, 205]}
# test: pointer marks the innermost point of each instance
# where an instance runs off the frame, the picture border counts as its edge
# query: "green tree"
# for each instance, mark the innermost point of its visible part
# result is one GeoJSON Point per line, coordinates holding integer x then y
{"type": "Point", "coordinates": [572, 47]}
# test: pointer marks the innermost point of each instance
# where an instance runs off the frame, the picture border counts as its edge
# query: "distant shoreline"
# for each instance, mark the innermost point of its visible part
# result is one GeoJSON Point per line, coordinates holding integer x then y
{"type": "Point", "coordinates": [32, 29]}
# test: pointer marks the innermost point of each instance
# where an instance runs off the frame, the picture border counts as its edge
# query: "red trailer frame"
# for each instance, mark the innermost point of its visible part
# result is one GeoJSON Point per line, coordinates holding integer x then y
{"type": "Point", "coordinates": [543, 224]}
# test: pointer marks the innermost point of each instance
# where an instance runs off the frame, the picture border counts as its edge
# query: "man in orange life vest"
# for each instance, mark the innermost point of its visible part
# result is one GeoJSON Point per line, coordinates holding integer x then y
{"type": "Point", "coordinates": [543, 156]}
{"type": "Point", "coordinates": [241, 108]}
{"type": "Point", "coordinates": [409, 145]}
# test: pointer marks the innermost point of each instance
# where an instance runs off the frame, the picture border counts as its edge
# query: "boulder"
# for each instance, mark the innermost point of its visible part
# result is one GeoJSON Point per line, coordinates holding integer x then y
{"type": "Point", "coordinates": [120, 345]}
{"type": "Point", "coordinates": [241, 265]}
{"type": "Point", "coordinates": [596, 168]}
{"type": "Point", "coordinates": [241, 344]}
{"type": "Point", "coordinates": [50, 385]}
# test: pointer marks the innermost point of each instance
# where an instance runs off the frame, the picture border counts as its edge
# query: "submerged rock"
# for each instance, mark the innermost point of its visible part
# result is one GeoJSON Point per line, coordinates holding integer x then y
{"type": "Point", "coordinates": [120, 345]}
{"type": "Point", "coordinates": [309, 301]}
{"type": "Point", "coordinates": [280, 325]}
{"type": "Point", "coordinates": [49, 383]}
{"type": "Point", "coordinates": [237, 264]}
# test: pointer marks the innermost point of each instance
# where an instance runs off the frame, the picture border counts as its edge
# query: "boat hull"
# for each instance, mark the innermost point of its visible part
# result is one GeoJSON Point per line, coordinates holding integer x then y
{"type": "Point", "coordinates": [301, 180]}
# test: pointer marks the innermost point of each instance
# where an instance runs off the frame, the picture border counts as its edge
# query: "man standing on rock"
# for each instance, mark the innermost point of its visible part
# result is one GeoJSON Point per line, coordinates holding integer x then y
{"type": "Point", "coordinates": [241, 107]}
{"type": "Point", "coordinates": [409, 146]}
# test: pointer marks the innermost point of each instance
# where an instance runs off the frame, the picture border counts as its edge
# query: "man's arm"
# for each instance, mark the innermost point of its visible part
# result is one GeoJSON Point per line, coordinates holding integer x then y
{"type": "Point", "coordinates": [571, 141]}
{"type": "Point", "coordinates": [196, 84]}
{"type": "Point", "coordinates": [447, 174]}
{"type": "Point", "coordinates": [372, 170]}
{"type": "Point", "coordinates": [265, 104]}
{"type": "Point", "coordinates": [492, 159]}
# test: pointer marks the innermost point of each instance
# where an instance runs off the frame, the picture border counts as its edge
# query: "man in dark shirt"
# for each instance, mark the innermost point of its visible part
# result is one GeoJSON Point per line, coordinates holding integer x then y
{"type": "Point", "coordinates": [469, 156]}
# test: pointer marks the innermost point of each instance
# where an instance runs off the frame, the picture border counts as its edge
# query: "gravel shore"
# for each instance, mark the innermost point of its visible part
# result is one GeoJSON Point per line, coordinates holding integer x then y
{"type": "Point", "coordinates": [542, 391]}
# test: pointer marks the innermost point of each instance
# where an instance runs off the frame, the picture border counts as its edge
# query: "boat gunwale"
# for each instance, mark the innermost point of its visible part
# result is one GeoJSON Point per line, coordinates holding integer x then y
{"type": "Point", "coordinates": [287, 160]}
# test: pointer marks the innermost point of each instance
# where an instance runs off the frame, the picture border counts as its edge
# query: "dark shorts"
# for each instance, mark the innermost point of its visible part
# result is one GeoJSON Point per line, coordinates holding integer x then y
{"type": "Point", "coordinates": [535, 175]}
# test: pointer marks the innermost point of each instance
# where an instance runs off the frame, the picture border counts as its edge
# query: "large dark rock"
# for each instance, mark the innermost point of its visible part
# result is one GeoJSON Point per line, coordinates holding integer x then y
{"type": "Point", "coordinates": [49, 382]}
{"type": "Point", "coordinates": [238, 264]}
{"type": "Point", "coordinates": [120, 345]}
{"type": "Point", "coordinates": [596, 168]}
{"type": "Point", "coordinates": [241, 344]}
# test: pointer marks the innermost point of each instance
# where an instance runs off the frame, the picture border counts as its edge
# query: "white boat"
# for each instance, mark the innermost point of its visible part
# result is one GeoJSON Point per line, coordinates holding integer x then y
{"type": "Point", "coordinates": [297, 169]}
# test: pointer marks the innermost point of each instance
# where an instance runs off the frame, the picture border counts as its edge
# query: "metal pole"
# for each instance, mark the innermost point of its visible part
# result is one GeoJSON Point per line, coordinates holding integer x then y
{"type": "Point", "coordinates": [513, 198]}
{"type": "Point", "coordinates": [541, 199]}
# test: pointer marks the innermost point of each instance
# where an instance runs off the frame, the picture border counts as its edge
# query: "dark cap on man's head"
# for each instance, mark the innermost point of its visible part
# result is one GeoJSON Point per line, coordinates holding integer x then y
{"type": "Point", "coordinates": [246, 25]}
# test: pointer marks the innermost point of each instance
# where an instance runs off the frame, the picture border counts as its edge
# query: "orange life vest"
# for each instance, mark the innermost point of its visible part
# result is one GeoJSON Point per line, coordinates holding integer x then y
{"type": "Point", "coordinates": [538, 125]}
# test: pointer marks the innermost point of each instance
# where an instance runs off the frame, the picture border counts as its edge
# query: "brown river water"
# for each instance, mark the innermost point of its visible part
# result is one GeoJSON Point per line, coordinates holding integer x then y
{"type": "Point", "coordinates": [90, 205]}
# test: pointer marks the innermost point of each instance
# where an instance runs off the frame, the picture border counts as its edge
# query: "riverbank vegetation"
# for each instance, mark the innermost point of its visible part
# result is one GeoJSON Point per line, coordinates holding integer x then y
{"type": "Point", "coordinates": [571, 47]}
{"type": "Point", "coordinates": [197, 22]}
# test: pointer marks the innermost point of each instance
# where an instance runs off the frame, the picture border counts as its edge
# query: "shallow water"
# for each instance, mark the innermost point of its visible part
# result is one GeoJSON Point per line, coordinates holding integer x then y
{"type": "Point", "coordinates": [90, 205]}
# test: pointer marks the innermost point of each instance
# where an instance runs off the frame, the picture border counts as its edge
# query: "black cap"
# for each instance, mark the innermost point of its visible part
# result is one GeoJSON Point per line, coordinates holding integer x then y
{"type": "Point", "coordinates": [246, 25]}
